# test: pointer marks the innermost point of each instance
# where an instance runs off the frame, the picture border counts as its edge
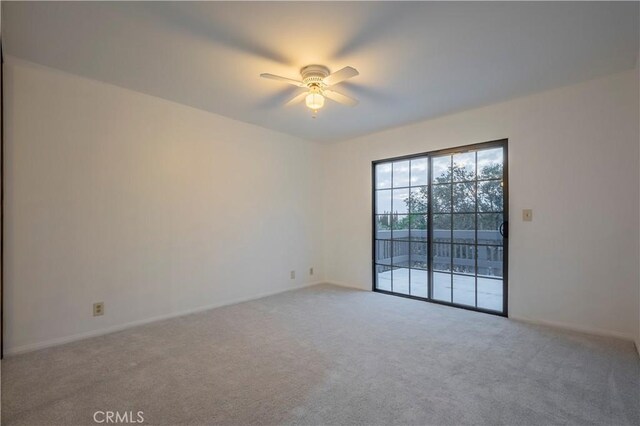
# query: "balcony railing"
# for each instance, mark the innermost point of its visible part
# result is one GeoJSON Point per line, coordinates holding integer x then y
{"type": "Point", "coordinates": [455, 252]}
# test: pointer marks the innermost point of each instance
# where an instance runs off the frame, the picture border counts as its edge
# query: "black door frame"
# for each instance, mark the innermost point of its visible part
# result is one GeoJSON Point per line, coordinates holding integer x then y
{"type": "Point", "coordinates": [2, 183]}
{"type": "Point", "coordinates": [502, 143]}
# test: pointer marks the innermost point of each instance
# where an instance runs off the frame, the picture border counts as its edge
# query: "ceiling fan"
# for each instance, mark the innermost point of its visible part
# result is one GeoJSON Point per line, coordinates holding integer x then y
{"type": "Point", "coordinates": [318, 81]}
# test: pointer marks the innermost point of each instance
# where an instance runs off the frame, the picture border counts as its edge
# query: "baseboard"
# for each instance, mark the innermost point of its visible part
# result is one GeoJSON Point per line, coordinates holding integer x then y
{"type": "Point", "coordinates": [341, 284]}
{"type": "Point", "coordinates": [558, 325]}
{"type": "Point", "coordinates": [579, 329]}
{"type": "Point", "coordinates": [108, 330]}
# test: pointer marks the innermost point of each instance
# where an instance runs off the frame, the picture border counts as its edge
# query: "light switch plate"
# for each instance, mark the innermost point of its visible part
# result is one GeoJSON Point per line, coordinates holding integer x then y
{"type": "Point", "coordinates": [527, 215]}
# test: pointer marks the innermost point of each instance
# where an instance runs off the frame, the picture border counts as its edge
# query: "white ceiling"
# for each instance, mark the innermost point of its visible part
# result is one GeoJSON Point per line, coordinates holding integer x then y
{"type": "Point", "coordinates": [416, 60]}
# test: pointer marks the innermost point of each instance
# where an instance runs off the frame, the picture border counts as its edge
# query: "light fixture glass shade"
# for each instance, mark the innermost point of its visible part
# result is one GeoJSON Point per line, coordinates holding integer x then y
{"type": "Point", "coordinates": [315, 100]}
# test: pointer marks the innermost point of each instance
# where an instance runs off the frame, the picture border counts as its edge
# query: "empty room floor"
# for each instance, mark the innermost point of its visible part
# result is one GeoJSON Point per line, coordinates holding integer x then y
{"type": "Point", "coordinates": [330, 355]}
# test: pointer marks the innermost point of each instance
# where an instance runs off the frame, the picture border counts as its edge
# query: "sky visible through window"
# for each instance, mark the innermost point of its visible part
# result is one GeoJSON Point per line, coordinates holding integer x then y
{"type": "Point", "coordinates": [407, 181]}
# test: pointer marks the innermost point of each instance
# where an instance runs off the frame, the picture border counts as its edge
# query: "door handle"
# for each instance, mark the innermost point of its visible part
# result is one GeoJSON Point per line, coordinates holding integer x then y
{"type": "Point", "coordinates": [504, 229]}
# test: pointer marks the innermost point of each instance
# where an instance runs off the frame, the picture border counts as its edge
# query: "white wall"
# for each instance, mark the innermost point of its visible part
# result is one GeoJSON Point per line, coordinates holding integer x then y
{"type": "Point", "coordinates": [152, 207]}
{"type": "Point", "coordinates": [573, 159]}
{"type": "Point", "coordinates": [157, 209]}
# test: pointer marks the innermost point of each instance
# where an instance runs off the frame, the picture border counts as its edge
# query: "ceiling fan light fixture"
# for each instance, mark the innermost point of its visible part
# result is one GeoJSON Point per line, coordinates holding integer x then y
{"type": "Point", "coordinates": [314, 100]}
{"type": "Point", "coordinates": [318, 81]}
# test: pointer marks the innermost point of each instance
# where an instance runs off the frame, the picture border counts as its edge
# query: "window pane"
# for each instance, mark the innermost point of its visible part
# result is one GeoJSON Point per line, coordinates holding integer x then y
{"type": "Point", "coordinates": [419, 199]}
{"type": "Point", "coordinates": [401, 200]}
{"type": "Point", "coordinates": [464, 290]}
{"type": "Point", "coordinates": [401, 280]}
{"type": "Point", "coordinates": [464, 166]}
{"type": "Point", "coordinates": [490, 163]}
{"type": "Point", "coordinates": [419, 171]}
{"type": "Point", "coordinates": [383, 175]}
{"type": "Point", "coordinates": [489, 228]}
{"type": "Point", "coordinates": [442, 257]}
{"type": "Point", "coordinates": [400, 253]}
{"type": "Point", "coordinates": [383, 277]}
{"type": "Point", "coordinates": [418, 227]}
{"type": "Point", "coordinates": [490, 294]}
{"type": "Point", "coordinates": [441, 198]}
{"type": "Point", "coordinates": [418, 256]}
{"type": "Point", "coordinates": [383, 252]}
{"type": "Point", "coordinates": [464, 259]}
{"type": "Point", "coordinates": [418, 280]}
{"type": "Point", "coordinates": [490, 261]}
{"type": "Point", "coordinates": [400, 173]}
{"type": "Point", "coordinates": [383, 227]}
{"type": "Point", "coordinates": [441, 286]}
{"type": "Point", "coordinates": [383, 201]}
{"type": "Point", "coordinates": [441, 169]}
{"type": "Point", "coordinates": [400, 227]}
{"type": "Point", "coordinates": [464, 197]}
{"type": "Point", "coordinates": [441, 227]}
{"type": "Point", "coordinates": [464, 228]}
{"type": "Point", "coordinates": [490, 196]}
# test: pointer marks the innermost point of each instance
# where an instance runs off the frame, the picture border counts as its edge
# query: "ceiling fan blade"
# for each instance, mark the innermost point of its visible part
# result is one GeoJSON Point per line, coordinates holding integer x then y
{"type": "Point", "coordinates": [282, 79]}
{"type": "Point", "coordinates": [340, 75]}
{"type": "Point", "coordinates": [340, 98]}
{"type": "Point", "coordinates": [297, 99]}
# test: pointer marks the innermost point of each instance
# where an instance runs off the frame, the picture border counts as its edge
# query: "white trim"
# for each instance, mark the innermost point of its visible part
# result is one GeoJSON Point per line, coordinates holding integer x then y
{"type": "Point", "coordinates": [108, 330]}
{"type": "Point", "coordinates": [558, 325]}
{"type": "Point", "coordinates": [112, 329]}
{"type": "Point", "coordinates": [571, 327]}
{"type": "Point", "coordinates": [341, 284]}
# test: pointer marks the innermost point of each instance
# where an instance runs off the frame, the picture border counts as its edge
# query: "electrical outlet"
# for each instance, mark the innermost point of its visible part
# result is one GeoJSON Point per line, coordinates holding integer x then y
{"type": "Point", "coordinates": [527, 215]}
{"type": "Point", "coordinates": [293, 275]}
{"type": "Point", "coordinates": [311, 271]}
{"type": "Point", "coordinates": [98, 309]}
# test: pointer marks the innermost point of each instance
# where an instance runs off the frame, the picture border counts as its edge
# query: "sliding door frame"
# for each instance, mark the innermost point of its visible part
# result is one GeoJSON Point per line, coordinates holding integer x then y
{"type": "Point", "coordinates": [500, 143]}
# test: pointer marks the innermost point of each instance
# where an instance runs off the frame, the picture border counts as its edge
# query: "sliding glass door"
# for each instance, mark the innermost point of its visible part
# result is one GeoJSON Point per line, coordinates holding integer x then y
{"type": "Point", "coordinates": [440, 223]}
{"type": "Point", "coordinates": [401, 233]}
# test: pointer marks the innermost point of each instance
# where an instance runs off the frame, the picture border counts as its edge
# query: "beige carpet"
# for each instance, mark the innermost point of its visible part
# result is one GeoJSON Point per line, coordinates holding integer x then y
{"type": "Point", "coordinates": [327, 355]}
